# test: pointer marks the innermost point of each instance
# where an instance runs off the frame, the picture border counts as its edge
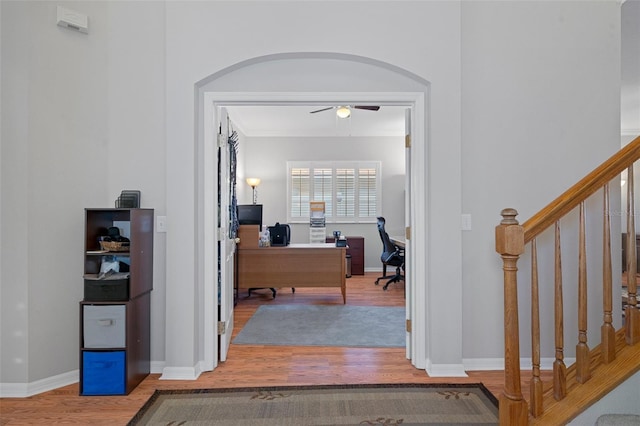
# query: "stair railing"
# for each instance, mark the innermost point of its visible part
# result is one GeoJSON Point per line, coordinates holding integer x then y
{"type": "Point", "coordinates": [511, 240]}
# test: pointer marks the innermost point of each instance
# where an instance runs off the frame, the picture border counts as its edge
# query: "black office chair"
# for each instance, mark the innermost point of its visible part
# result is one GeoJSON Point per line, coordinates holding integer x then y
{"type": "Point", "coordinates": [392, 255]}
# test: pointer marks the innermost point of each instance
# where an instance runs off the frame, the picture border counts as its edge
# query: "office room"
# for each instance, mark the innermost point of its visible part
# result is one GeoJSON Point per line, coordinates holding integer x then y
{"type": "Point", "coordinates": [272, 140]}
{"type": "Point", "coordinates": [265, 156]}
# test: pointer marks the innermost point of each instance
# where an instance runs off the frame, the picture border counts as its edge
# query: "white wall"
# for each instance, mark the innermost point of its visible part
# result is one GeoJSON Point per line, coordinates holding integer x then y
{"type": "Point", "coordinates": [83, 118]}
{"type": "Point", "coordinates": [524, 101]}
{"type": "Point", "coordinates": [136, 127]}
{"type": "Point", "coordinates": [630, 73]}
{"type": "Point", "coordinates": [533, 100]}
{"type": "Point", "coordinates": [625, 399]}
{"type": "Point", "coordinates": [54, 163]}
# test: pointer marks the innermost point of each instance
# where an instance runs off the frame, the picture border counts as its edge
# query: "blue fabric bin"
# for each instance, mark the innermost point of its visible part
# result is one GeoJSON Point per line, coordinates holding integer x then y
{"type": "Point", "coordinates": [103, 373]}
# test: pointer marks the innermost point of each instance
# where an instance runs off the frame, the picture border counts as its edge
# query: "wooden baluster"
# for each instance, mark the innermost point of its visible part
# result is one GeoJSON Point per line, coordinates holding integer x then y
{"type": "Point", "coordinates": [536, 382]}
{"type": "Point", "coordinates": [607, 331]}
{"type": "Point", "coordinates": [559, 368]}
{"type": "Point", "coordinates": [632, 315]}
{"type": "Point", "coordinates": [583, 370]}
{"type": "Point", "coordinates": [510, 245]}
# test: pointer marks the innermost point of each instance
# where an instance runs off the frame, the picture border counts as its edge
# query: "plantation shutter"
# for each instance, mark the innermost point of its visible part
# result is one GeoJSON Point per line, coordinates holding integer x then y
{"type": "Point", "coordinates": [345, 193]}
{"type": "Point", "coordinates": [323, 188]}
{"type": "Point", "coordinates": [349, 189]}
{"type": "Point", "coordinates": [300, 192]}
{"type": "Point", "coordinates": [367, 192]}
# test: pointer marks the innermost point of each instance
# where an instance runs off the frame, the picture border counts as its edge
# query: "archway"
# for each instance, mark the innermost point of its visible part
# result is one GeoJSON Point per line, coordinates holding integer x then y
{"type": "Point", "coordinates": [321, 78]}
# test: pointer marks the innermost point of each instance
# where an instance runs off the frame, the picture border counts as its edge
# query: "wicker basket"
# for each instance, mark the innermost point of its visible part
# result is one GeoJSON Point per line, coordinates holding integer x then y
{"type": "Point", "coordinates": [114, 246]}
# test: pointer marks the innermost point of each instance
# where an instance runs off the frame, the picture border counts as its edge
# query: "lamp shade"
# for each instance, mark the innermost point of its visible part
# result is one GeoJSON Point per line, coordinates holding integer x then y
{"type": "Point", "coordinates": [253, 182]}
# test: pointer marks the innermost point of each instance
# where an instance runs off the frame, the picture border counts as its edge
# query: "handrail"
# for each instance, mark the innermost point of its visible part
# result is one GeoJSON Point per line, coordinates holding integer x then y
{"type": "Point", "coordinates": [511, 239]}
{"type": "Point", "coordinates": [579, 192]}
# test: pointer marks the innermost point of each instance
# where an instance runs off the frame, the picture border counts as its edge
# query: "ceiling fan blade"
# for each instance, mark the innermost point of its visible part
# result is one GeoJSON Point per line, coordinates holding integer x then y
{"type": "Point", "coordinates": [367, 107]}
{"type": "Point", "coordinates": [320, 110]}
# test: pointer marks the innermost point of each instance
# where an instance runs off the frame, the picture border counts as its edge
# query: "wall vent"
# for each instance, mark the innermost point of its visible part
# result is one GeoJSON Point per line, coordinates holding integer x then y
{"type": "Point", "coordinates": [73, 20]}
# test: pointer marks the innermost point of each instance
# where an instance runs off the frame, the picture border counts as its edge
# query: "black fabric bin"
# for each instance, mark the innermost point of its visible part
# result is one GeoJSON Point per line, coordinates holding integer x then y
{"type": "Point", "coordinates": [115, 290]}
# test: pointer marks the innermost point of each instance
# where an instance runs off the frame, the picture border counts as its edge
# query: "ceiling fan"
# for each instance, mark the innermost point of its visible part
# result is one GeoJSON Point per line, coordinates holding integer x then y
{"type": "Point", "coordinates": [344, 111]}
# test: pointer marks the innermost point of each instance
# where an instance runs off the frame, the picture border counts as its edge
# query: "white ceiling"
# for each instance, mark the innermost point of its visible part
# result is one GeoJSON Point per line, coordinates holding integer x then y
{"type": "Point", "coordinates": [298, 121]}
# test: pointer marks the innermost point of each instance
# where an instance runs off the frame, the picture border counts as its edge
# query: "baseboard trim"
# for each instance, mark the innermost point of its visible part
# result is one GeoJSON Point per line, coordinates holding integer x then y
{"type": "Point", "coordinates": [483, 364]}
{"type": "Point", "coordinates": [445, 370]}
{"type": "Point", "coordinates": [181, 373]}
{"type": "Point", "coordinates": [157, 367]}
{"type": "Point", "coordinates": [24, 390]}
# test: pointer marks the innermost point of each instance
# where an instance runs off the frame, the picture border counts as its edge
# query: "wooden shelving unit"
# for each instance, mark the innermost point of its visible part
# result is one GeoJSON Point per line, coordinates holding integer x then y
{"type": "Point", "coordinates": [115, 313]}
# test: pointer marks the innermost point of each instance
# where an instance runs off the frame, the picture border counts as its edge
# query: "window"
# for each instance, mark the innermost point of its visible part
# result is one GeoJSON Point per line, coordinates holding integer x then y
{"type": "Point", "coordinates": [350, 190]}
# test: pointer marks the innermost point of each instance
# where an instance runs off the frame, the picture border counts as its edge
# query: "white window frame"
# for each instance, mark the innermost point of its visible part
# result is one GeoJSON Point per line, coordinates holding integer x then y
{"type": "Point", "coordinates": [331, 216]}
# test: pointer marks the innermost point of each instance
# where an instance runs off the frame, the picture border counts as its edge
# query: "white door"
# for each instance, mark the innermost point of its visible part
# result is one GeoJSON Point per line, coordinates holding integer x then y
{"type": "Point", "coordinates": [407, 223]}
{"type": "Point", "coordinates": [226, 239]}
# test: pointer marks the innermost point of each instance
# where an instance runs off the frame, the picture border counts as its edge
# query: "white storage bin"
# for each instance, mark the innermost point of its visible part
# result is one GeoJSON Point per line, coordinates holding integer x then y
{"type": "Point", "coordinates": [104, 326]}
{"type": "Point", "coordinates": [317, 235]}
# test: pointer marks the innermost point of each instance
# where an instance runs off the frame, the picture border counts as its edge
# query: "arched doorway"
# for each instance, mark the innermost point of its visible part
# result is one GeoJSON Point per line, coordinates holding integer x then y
{"type": "Point", "coordinates": [308, 78]}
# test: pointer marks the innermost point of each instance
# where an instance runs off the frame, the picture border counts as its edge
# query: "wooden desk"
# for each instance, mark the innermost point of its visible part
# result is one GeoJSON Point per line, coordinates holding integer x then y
{"type": "Point", "coordinates": [297, 265]}
{"type": "Point", "coordinates": [399, 241]}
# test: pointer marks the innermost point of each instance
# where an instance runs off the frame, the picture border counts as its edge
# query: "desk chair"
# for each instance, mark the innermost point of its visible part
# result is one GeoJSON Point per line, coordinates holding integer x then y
{"type": "Point", "coordinates": [392, 255]}
{"type": "Point", "coordinates": [273, 291]}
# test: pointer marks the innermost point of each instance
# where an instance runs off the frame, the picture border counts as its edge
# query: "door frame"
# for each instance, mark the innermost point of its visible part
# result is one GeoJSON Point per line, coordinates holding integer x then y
{"type": "Point", "coordinates": [417, 339]}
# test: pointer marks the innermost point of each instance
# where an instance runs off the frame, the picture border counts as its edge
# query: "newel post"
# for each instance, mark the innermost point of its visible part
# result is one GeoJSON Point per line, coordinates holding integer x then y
{"type": "Point", "coordinates": [510, 245]}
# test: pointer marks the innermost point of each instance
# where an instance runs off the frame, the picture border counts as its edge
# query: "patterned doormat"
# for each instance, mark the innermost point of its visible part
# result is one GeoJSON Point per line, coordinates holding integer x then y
{"type": "Point", "coordinates": [392, 404]}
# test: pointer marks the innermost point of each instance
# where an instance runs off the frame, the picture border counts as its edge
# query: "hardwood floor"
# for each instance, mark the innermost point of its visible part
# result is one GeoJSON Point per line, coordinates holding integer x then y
{"type": "Point", "coordinates": [254, 365]}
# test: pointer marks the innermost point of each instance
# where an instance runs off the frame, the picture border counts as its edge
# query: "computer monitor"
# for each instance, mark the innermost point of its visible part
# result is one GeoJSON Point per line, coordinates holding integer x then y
{"type": "Point", "coordinates": [250, 214]}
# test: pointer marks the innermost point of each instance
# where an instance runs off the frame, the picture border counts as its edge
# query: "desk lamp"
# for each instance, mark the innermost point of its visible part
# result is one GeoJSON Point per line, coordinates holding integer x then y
{"type": "Point", "coordinates": [253, 182]}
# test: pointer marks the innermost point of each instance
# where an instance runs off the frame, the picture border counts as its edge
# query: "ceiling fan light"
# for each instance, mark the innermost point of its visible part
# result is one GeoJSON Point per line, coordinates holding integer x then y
{"type": "Point", "coordinates": [343, 112]}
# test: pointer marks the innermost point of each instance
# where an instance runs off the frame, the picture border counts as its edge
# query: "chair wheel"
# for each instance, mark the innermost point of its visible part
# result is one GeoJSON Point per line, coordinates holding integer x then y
{"type": "Point", "coordinates": [377, 281]}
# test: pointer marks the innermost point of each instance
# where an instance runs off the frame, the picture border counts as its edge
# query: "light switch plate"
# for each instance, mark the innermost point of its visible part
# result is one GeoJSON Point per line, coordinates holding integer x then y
{"type": "Point", "coordinates": [466, 222]}
{"type": "Point", "coordinates": [161, 224]}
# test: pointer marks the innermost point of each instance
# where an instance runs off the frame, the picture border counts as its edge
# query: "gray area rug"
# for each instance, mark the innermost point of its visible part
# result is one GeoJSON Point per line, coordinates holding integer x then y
{"type": "Point", "coordinates": [405, 404]}
{"type": "Point", "coordinates": [320, 325]}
